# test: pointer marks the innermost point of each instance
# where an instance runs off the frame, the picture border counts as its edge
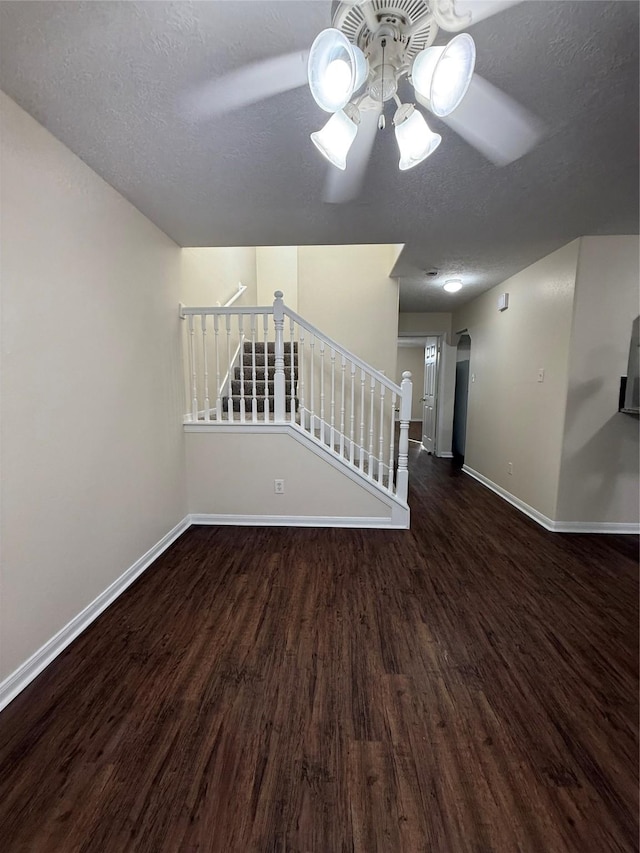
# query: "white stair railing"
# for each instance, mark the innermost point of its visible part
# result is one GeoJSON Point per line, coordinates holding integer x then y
{"type": "Point", "coordinates": [308, 381]}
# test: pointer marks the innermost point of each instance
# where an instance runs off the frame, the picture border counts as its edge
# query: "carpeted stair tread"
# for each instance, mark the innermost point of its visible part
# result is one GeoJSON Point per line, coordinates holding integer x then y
{"type": "Point", "coordinates": [261, 388]}
{"type": "Point", "coordinates": [260, 373]}
{"type": "Point", "coordinates": [271, 347]}
{"type": "Point", "coordinates": [262, 360]}
{"type": "Point", "coordinates": [260, 403]}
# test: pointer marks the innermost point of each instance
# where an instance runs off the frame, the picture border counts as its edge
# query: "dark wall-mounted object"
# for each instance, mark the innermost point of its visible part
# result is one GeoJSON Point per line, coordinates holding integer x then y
{"type": "Point", "coordinates": [629, 401]}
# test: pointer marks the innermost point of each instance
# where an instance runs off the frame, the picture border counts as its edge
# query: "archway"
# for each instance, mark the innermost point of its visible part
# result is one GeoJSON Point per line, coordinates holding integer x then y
{"type": "Point", "coordinates": [461, 396]}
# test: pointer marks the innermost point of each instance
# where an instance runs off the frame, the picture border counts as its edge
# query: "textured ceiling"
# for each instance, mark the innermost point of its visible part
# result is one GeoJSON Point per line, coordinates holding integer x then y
{"type": "Point", "coordinates": [114, 80]}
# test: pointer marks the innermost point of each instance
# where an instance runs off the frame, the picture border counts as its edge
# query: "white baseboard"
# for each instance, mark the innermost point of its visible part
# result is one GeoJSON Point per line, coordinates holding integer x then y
{"type": "Point", "coordinates": [595, 527]}
{"type": "Point", "coordinates": [33, 666]}
{"type": "Point", "coordinates": [548, 523]}
{"type": "Point", "coordinates": [541, 519]}
{"type": "Point", "coordinates": [300, 521]}
{"type": "Point", "coordinates": [444, 454]}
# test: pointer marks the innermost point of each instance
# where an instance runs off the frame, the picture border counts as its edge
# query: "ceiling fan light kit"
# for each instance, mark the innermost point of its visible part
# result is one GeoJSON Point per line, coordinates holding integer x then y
{"type": "Point", "coordinates": [442, 74]}
{"type": "Point", "coordinates": [336, 69]}
{"type": "Point", "coordinates": [371, 47]}
{"type": "Point", "coordinates": [336, 137]}
{"type": "Point", "coordinates": [415, 138]}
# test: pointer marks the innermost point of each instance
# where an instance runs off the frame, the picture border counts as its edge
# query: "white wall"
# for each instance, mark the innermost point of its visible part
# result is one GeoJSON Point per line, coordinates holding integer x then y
{"type": "Point", "coordinates": [599, 471]}
{"type": "Point", "coordinates": [346, 292]}
{"type": "Point", "coordinates": [512, 417]}
{"type": "Point", "coordinates": [92, 446]}
{"type": "Point", "coordinates": [211, 275]}
{"type": "Point", "coordinates": [232, 474]}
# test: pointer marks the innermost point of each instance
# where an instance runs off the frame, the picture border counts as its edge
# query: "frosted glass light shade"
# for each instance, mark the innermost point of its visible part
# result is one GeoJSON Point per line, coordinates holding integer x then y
{"type": "Point", "coordinates": [442, 74]}
{"type": "Point", "coordinates": [453, 285]}
{"type": "Point", "coordinates": [336, 69]}
{"type": "Point", "coordinates": [415, 139]}
{"type": "Point", "coordinates": [336, 138]}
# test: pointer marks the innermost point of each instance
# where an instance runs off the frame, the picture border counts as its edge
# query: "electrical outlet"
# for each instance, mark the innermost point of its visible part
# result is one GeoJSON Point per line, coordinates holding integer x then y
{"type": "Point", "coordinates": [541, 374]}
{"type": "Point", "coordinates": [278, 487]}
{"type": "Point", "coordinates": [509, 467]}
{"type": "Point", "coordinates": [473, 377]}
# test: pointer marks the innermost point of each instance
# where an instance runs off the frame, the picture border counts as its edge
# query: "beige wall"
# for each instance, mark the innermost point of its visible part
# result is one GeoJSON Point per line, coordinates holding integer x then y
{"type": "Point", "coordinates": [277, 269]}
{"type": "Point", "coordinates": [424, 324]}
{"type": "Point", "coordinates": [512, 417]}
{"type": "Point", "coordinates": [346, 292]}
{"type": "Point", "coordinates": [92, 449]}
{"type": "Point", "coordinates": [599, 472]}
{"type": "Point", "coordinates": [412, 359]}
{"type": "Point", "coordinates": [230, 473]}
{"type": "Point", "coordinates": [211, 275]}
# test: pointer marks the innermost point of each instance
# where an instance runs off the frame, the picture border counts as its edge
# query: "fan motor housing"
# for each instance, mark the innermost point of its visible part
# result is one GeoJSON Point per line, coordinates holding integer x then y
{"type": "Point", "coordinates": [396, 17]}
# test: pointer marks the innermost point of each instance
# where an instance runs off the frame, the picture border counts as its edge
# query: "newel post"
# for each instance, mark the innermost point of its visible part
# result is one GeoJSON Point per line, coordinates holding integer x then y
{"type": "Point", "coordinates": [402, 481]}
{"type": "Point", "coordinates": [279, 406]}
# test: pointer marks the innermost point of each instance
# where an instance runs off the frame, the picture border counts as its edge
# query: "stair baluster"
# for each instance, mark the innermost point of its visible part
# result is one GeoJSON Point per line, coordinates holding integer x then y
{"type": "Point", "coordinates": [362, 381]}
{"type": "Point", "coordinates": [267, 408]}
{"type": "Point", "coordinates": [279, 378]}
{"type": "Point", "coordinates": [322, 391]}
{"type": "Point", "coordinates": [292, 386]}
{"type": "Point", "coordinates": [192, 364]}
{"type": "Point", "coordinates": [312, 347]}
{"type": "Point", "coordinates": [205, 364]}
{"type": "Point", "coordinates": [217, 347]}
{"type": "Point", "coordinates": [352, 415]}
{"type": "Point", "coordinates": [372, 391]}
{"type": "Point", "coordinates": [403, 444]}
{"type": "Point", "coordinates": [381, 436]}
{"type": "Point", "coordinates": [332, 422]}
{"type": "Point", "coordinates": [392, 440]}
{"type": "Point", "coordinates": [254, 398]}
{"type": "Point", "coordinates": [230, 414]}
{"type": "Point", "coordinates": [302, 408]}
{"type": "Point", "coordinates": [243, 411]}
{"type": "Point", "coordinates": [343, 367]}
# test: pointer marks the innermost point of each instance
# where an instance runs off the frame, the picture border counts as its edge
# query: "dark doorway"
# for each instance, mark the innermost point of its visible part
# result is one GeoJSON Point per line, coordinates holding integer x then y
{"type": "Point", "coordinates": [463, 358]}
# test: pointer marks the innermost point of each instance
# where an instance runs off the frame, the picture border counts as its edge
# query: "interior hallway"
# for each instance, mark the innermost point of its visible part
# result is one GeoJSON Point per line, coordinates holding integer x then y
{"type": "Point", "coordinates": [470, 684]}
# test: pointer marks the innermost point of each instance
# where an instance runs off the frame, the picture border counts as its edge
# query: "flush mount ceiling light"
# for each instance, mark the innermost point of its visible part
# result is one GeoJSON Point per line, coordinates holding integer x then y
{"type": "Point", "coordinates": [372, 46]}
{"type": "Point", "coordinates": [453, 285]}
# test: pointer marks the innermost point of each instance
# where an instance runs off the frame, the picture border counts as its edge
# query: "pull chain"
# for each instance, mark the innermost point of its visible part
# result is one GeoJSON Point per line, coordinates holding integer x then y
{"type": "Point", "coordinates": [381, 120]}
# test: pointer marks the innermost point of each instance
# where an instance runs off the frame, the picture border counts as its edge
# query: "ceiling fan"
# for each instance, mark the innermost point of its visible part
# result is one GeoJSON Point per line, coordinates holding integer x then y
{"type": "Point", "coordinates": [356, 66]}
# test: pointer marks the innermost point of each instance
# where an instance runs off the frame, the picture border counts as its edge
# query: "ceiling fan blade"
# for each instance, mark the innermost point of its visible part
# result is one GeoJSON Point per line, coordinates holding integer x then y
{"type": "Point", "coordinates": [249, 84]}
{"type": "Point", "coordinates": [495, 124]}
{"type": "Point", "coordinates": [456, 15]}
{"type": "Point", "coordinates": [341, 187]}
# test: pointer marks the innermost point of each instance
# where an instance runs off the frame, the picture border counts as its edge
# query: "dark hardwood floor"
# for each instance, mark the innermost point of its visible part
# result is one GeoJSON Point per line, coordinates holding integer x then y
{"type": "Point", "coordinates": [469, 685]}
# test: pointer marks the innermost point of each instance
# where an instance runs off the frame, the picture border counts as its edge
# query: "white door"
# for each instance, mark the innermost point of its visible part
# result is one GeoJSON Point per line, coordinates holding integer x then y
{"type": "Point", "coordinates": [430, 390]}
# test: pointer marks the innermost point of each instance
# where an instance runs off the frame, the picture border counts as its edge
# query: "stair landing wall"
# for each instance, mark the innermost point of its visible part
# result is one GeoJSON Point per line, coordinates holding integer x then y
{"type": "Point", "coordinates": [231, 473]}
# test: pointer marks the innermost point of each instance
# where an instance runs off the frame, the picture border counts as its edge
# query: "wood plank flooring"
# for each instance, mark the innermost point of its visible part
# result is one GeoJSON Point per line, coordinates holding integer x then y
{"type": "Point", "coordinates": [469, 685]}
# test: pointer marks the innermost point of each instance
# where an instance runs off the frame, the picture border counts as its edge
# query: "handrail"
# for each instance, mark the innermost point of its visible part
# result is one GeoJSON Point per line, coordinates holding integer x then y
{"type": "Point", "coordinates": [380, 377]}
{"type": "Point", "coordinates": [209, 311]}
{"type": "Point", "coordinates": [241, 289]}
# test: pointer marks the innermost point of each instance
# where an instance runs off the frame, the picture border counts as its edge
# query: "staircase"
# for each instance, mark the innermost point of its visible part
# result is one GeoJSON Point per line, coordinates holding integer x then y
{"type": "Point", "coordinates": [253, 368]}
{"type": "Point", "coordinates": [253, 378]}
